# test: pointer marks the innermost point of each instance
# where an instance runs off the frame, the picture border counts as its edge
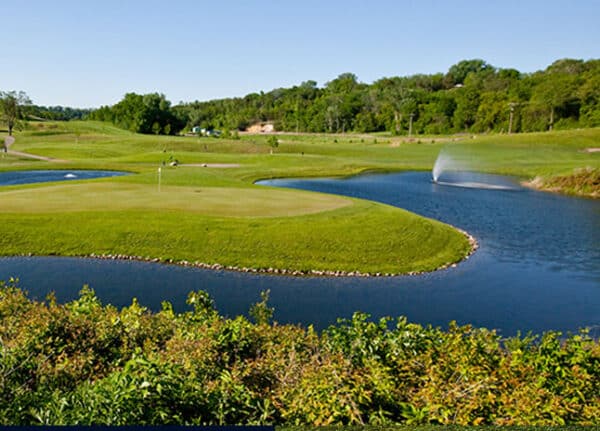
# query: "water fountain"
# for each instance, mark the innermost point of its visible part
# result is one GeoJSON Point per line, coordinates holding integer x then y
{"type": "Point", "coordinates": [442, 163]}
{"type": "Point", "coordinates": [458, 171]}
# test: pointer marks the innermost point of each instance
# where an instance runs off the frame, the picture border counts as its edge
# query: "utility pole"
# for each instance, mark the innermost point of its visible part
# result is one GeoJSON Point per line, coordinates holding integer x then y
{"type": "Point", "coordinates": [510, 118]}
{"type": "Point", "coordinates": [297, 117]}
{"type": "Point", "coordinates": [410, 124]}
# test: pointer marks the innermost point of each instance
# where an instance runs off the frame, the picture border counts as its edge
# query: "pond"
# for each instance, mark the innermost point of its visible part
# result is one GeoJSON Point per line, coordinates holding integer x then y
{"type": "Point", "coordinates": [537, 268]}
{"type": "Point", "coordinates": [43, 176]}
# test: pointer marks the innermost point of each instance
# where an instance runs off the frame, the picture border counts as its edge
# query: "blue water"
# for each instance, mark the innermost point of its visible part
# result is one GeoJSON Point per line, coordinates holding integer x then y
{"type": "Point", "coordinates": [537, 268]}
{"type": "Point", "coordinates": [42, 176]}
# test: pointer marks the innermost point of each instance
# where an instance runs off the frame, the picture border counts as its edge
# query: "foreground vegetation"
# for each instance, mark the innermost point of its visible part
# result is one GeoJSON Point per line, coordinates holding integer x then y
{"type": "Point", "coordinates": [85, 363]}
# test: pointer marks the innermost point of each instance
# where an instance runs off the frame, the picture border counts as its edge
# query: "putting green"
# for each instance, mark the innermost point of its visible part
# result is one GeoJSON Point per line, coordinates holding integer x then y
{"type": "Point", "coordinates": [215, 201]}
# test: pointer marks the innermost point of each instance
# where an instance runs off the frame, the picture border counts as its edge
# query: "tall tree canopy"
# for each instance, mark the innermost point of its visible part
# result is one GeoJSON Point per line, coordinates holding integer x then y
{"type": "Point", "coordinates": [473, 96]}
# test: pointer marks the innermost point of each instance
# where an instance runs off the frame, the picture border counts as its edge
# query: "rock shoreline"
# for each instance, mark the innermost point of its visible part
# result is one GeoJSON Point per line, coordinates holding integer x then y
{"type": "Point", "coordinates": [275, 271]}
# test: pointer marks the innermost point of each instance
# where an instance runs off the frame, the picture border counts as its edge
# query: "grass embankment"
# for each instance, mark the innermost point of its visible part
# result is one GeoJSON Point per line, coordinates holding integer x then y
{"type": "Point", "coordinates": [359, 236]}
{"type": "Point", "coordinates": [217, 216]}
{"type": "Point", "coordinates": [582, 182]}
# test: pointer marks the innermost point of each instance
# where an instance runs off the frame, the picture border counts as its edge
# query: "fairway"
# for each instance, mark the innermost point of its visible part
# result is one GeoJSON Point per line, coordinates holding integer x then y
{"type": "Point", "coordinates": [218, 216]}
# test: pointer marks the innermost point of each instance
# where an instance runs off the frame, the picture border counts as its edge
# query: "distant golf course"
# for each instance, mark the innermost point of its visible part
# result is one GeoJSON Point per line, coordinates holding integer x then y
{"type": "Point", "coordinates": [194, 199]}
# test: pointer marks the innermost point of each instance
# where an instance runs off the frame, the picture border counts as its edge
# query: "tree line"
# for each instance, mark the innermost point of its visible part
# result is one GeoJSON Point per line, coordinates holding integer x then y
{"type": "Point", "coordinates": [58, 113]}
{"type": "Point", "coordinates": [148, 113]}
{"type": "Point", "coordinates": [472, 96]}
{"type": "Point", "coordinates": [16, 108]}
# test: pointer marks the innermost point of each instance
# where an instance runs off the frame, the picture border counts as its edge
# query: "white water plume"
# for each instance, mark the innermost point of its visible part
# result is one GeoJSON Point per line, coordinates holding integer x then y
{"type": "Point", "coordinates": [440, 164]}
{"type": "Point", "coordinates": [459, 170]}
{"type": "Point", "coordinates": [445, 162]}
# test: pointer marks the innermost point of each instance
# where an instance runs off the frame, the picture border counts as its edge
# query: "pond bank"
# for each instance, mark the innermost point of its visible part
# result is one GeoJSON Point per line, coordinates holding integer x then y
{"type": "Point", "coordinates": [583, 182]}
{"type": "Point", "coordinates": [275, 271]}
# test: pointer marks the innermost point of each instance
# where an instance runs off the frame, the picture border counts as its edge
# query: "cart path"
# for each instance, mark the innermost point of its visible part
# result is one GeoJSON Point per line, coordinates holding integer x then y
{"type": "Point", "coordinates": [33, 156]}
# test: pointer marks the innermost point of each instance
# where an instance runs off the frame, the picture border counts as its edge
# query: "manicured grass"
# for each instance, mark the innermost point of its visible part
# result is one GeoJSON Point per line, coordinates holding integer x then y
{"type": "Point", "coordinates": [218, 216]}
{"type": "Point", "coordinates": [214, 201]}
{"type": "Point", "coordinates": [365, 236]}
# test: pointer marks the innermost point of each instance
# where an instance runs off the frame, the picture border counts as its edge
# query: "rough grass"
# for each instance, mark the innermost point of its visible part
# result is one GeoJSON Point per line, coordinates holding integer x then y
{"type": "Point", "coordinates": [582, 182]}
{"type": "Point", "coordinates": [435, 428]}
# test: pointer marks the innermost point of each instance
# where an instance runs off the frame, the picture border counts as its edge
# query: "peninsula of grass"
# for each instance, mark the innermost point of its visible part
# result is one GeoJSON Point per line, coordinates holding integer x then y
{"type": "Point", "coordinates": [252, 227]}
{"type": "Point", "coordinates": [218, 216]}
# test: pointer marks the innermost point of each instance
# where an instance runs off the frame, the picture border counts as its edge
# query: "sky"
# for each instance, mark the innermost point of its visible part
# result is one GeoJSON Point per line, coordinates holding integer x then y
{"type": "Point", "coordinates": [90, 53]}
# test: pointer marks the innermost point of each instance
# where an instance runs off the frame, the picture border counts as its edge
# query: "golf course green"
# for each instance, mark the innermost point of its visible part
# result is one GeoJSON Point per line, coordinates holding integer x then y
{"type": "Point", "coordinates": [202, 205]}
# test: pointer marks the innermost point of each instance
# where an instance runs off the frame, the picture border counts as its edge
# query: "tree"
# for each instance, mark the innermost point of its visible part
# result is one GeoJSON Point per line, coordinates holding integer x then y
{"type": "Point", "coordinates": [459, 72]}
{"type": "Point", "coordinates": [396, 96]}
{"type": "Point", "coordinates": [148, 113]}
{"type": "Point", "coordinates": [13, 106]}
{"type": "Point", "coordinates": [557, 92]}
{"type": "Point", "coordinates": [273, 142]}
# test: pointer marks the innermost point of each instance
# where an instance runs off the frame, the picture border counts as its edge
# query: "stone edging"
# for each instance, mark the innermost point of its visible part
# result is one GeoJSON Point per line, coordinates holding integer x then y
{"type": "Point", "coordinates": [277, 271]}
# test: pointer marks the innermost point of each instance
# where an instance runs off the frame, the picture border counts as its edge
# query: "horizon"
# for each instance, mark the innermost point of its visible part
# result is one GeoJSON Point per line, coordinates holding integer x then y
{"type": "Point", "coordinates": [86, 56]}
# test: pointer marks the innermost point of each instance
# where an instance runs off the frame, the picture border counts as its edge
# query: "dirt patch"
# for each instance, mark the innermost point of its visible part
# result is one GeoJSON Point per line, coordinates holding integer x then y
{"type": "Point", "coordinates": [261, 128]}
{"type": "Point", "coordinates": [592, 150]}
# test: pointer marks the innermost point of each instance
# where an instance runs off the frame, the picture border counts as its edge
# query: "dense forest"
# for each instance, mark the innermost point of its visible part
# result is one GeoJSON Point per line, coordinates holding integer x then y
{"type": "Point", "coordinates": [473, 96]}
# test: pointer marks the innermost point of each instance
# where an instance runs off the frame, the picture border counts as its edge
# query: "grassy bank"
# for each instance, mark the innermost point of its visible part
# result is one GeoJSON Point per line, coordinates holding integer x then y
{"type": "Point", "coordinates": [218, 216]}
{"type": "Point", "coordinates": [361, 237]}
{"type": "Point", "coordinates": [582, 182]}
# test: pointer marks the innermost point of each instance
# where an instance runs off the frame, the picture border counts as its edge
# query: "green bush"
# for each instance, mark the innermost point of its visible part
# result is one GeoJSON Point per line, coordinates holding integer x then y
{"type": "Point", "coordinates": [90, 364]}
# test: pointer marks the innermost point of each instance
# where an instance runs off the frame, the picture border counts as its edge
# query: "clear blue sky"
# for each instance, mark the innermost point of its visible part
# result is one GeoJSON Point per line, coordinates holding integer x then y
{"type": "Point", "coordinates": [90, 53]}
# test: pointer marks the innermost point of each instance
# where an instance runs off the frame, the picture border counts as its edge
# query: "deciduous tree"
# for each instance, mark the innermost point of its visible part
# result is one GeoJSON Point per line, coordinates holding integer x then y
{"type": "Point", "coordinates": [13, 106]}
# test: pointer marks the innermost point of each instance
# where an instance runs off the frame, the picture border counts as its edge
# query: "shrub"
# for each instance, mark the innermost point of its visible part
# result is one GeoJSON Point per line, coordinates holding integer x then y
{"type": "Point", "coordinates": [91, 364]}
